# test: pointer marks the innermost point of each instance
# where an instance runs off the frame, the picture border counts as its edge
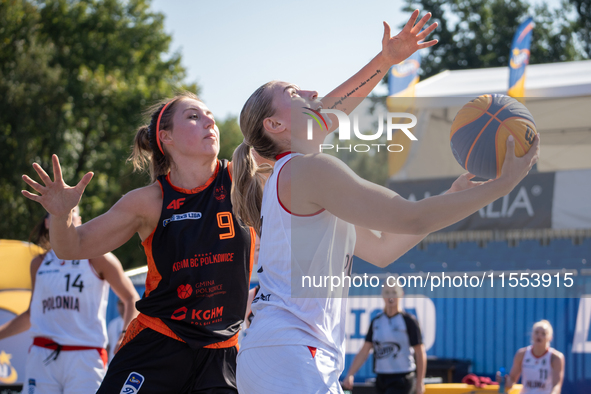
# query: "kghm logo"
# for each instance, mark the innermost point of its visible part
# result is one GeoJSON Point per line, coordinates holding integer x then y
{"type": "Point", "coordinates": [405, 68]}
{"type": "Point", "coordinates": [392, 119]}
{"type": "Point", "coordinates": [519, 58]}
{"type": "Point", "coordinates": [316, 119]}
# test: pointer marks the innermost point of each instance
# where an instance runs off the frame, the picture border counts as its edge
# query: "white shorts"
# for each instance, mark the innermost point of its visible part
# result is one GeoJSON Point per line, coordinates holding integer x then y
{"type": "Point", "coordinates": [73, 372]}
{"type": "Point", "coordinates": [286, 370]}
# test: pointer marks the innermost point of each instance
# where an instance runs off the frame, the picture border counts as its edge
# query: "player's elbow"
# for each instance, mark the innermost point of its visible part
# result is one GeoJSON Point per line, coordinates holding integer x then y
{"type": "Point", "coordinates": [381, 262]}
{"type": "Point", "coordinates": [64, 253]}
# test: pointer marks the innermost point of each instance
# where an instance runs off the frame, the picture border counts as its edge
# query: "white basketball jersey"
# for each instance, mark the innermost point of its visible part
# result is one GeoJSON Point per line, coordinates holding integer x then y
{"type": "Point", "coordinates": [536, 373]}
{"type": "Point", "coordinates": [69, 303]}
{"type": "Point", "coordinates": [294, 305]}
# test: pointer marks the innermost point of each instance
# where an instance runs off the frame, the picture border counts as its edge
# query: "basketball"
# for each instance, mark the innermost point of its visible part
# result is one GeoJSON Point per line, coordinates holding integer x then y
{"type": "Point", "coordinates": [480, 130]}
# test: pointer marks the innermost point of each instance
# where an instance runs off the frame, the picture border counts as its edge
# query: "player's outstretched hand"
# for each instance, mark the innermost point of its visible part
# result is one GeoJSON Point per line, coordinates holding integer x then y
{"type": "Point", "coordinates": [401, 46]}
{"type": "Point", "coordinates": [348, 382]}
{"type": "Point", "coordinates": [56, 196]}
{"type": "Point", "coordinates": [516, 168]}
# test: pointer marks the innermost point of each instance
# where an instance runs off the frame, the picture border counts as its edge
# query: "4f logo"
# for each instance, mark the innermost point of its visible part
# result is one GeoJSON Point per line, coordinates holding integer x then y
{"type": "Point", "coordinates": [176, 204]}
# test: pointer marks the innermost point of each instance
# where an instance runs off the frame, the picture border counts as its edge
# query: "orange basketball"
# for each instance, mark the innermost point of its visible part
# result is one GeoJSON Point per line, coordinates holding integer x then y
{"type": "Point", "coordinates": [480, 130]}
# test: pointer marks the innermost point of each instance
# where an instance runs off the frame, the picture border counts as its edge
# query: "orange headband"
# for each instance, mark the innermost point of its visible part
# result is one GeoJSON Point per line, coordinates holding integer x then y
{"type": "Point", "coordinates": [158, 128]}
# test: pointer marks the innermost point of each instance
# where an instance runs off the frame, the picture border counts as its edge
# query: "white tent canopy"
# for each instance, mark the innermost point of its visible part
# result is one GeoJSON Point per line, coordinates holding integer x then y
{"type": "Point", "coordinates": [568, 79]}
{"type": "Point", "coordinates": [558, 95]}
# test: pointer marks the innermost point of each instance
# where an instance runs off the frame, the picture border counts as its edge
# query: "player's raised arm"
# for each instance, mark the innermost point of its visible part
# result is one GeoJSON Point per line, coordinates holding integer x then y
{"type": "Point", "coordinates": [394, 50]}
{"type": "Point", "coordinates": [97, 237]}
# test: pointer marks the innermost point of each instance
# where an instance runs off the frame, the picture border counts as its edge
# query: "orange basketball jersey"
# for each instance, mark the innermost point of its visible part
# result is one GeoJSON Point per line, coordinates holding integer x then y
{"type": "Point", "coordinates": [199, 264]}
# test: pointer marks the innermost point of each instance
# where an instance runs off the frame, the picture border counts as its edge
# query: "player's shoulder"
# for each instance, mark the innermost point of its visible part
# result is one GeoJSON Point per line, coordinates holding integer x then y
{"type": "Point", "coordinates": [407, 315]}
{"type": "Point", "coordinates": [316, 159]}
{"type": "Point", "coordinates": [143, 198]}
{"type": "Point", "coordinates": [377, 317]}
{"type": "Point", "coordinates": [317, 166]}
{"type": "Point", "coordinates": [409, 318]}
{"type": "Point", "coordinates": [37, 260]}
{"type": "Point", "coordinates": [556, 354]}
{"type": "Point", "coordinates": [521, 352]}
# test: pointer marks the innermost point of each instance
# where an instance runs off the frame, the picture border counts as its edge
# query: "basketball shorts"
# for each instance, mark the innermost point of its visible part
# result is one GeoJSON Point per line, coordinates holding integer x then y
{"type": "Point", "coordinates": [71, 372]}
{"type": "Point", "coordinates": [160, 364]}
{"type": "Point", "coordinates": [286, 370]}
{"type": "Point", "coordinates": [396, 383]}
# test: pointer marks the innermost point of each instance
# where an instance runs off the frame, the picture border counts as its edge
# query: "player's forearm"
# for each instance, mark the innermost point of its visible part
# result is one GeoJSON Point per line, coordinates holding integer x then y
{"type": "Point", "coordinates": [64, 237]}
{"type": "Point", "coordinates": [421, 359]}
{"type": "Point", "coordinates": [129, 310]}
{"type": "Point", "coordinates": [390, 247]}
{"type": "Point", "coordinates": [434, 213]}
{"type": "Point", "coordinates": [510, 381]}
{"type": "Point", "coordinates": [358, 362]}
{"type": "Point", "coordinates": [359, 85]}
{"type": "Point", "coordinates": [19, 324]}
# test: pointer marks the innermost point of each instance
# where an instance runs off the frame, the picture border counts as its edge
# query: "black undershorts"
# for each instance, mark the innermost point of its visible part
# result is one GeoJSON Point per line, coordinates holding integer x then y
{"type": "Point", "coordinates": [154, 363]}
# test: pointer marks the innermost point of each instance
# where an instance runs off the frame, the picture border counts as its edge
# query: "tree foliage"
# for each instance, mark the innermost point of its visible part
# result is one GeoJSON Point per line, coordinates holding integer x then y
{"type": "Point", "coordinates": [583, 26]}
{"type": "Point", "coordinates": [230, 136]}
{"type": "Point", "coordinates": [479, 33]}
{"type": "Point", "coordinates": [74, 78]}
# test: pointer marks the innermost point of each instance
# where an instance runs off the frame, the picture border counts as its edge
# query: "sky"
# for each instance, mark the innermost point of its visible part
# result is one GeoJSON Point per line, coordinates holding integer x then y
{"type": "Point", "coordinates": [230, 48]}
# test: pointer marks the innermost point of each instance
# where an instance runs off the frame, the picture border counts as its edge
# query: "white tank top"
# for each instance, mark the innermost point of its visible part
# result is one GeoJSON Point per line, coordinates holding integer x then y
{"type": "Point", "coordinates": [536, 373]}
{"type": "Point", "coordinates": [295, 249]}
{"type": "Point", "coordinates": [69, 303]}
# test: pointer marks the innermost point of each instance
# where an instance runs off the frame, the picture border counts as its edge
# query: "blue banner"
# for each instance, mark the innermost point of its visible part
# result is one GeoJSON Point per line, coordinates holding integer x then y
{"type": "Point", "coordinates": [404, 76]}
{"type": "Point", "coordinates": [520, 58]}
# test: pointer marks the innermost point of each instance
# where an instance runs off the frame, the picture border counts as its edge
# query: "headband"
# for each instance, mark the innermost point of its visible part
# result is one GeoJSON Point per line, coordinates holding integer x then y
{"type": "Point", "coordinates": [158, 127]}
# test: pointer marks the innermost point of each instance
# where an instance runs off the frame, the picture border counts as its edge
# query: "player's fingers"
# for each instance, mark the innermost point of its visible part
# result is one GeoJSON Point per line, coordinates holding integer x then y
{"type": "Point", "coordinates": [31, 196]}
{"type": "Point", "coordinates": [84, 182]}
{"type": "Point", "coordinates": [427, 31]}
{"type": "Point", "coordinates": [510, 147]}
{"type": "Point", "coordinates": [534, 150]}
{"type": "Point", "coordinates": [411, 21]}
{"type": "Point", "coordinates": [42, 174]}
{"type": "Point", "coordinates": [428, 44]}
{"type": "Point", "coordinates": [417, 28]}
{"type": "Point", "coordinates": [387, 36]}
{"type": "Point", "coordinates": [57, 169]}
{"type": "Point", "coordinates": [33, 184]}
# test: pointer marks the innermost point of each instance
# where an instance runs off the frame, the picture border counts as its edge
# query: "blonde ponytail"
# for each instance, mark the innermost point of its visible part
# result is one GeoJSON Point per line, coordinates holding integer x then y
{"type": "Point", "coordinates": [248, 180]}
{"type": "Point", "coordinates": [248, 177]}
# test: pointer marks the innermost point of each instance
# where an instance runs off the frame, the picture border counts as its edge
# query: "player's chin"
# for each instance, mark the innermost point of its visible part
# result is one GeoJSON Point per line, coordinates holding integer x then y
{"type": "Point", "coordinates": [211, 147]}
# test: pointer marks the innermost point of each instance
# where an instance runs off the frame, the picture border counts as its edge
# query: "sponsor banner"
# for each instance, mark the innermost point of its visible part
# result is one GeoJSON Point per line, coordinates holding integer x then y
{"type": "Point", "coordinates": [404, 76]}
{"type": "Point", "coordinates": [13, 354]}
{"type": "Point", "coordinates": [519, 58]}
{"type": "Point", "coordinates": [485, 332]}
{"type": "Point", "coordinates": [529, 205]}
{"type": "Point", "coordinates": [572, 205]}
